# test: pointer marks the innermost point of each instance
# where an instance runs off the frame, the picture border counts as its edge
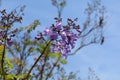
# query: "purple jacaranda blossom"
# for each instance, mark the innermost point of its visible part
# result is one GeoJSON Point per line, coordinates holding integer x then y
{"type": "Point", "coordinates": [58, 25]}
{"type": "Point", "coordinates": [53, 35]}
{"type": "Point", "coordinates": [61, 43]}
{"type": "Point", "coordinates": [63, 37]}
{"type": "Point", "coordinates": [78, 30]}
{"type": "Point", "coordinates": [47, 31]}
{"type": "Point", "coordinates": [65, 51]}
{"type": "Point", "coordinates": [2, 34]}
{"type": "Point", "coordinates": [39, 36]}
{"type": "Point", "coordinates": [71, 39]}
{"type": "Point", "coordinates": [56, 49]}
{"type": "Point", "coordinates": [61, 47]}
{"type": "Point", "coordinates": [9, 41]}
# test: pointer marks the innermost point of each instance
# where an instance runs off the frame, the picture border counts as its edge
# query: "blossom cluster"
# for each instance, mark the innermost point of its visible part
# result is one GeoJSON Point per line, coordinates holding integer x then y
{"type": "Point", "coordinates": [6, 21]}
{"type": "Point", "coordinates": [63, 37]}
{"type": "Point", "coordinates": [8, 38]}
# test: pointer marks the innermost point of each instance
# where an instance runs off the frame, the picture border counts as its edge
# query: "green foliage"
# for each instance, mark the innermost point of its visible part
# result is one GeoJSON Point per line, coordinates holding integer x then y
{"type": "Point", "coordinates": [63, 61]}
{"type": "Point", "coordinates": [8, 63]}
{"type": "Point", "coordinates": [28, 41]}
{"type": "Point", "coordinates": [40, 47]}
{"type": "Point", "coordinates": [63, 3]}
{"type": "Point", "coordinates": [31, 49]}
{"type": "Point", "coordinates": [18, 77]}
{"type": "Point", "coordinates": [17, 47]}
{"type": "Point", "coordinates": [7, 66]}
{"type": "Point", "coordinates": [33, 26]}
{"type": "Point", "coordinates": [56, 56]}
{"type": "Point", "coordinates": [10, 77]}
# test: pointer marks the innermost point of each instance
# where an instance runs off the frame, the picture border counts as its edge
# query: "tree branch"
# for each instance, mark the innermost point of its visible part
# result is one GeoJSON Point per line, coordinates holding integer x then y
{"type": "Point", "coordinates": [43, 66]}
{"type": "Point", "coordinates": [3, 56]}
{"type": "Point", "coordinates": [36, 61]}
{"type": "Point", "coordinates": [52, 68]}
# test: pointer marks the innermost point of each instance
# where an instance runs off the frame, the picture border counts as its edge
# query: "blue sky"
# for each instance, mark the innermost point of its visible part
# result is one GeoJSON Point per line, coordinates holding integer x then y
{"type": "Point", "coordinates": [103, 59]}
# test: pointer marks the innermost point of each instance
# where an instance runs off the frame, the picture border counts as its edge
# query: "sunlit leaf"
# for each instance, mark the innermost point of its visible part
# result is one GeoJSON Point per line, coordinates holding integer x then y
{"type": "Point", "coordinates": [63, 61]}
{"type": "Point", "coordinates": [55, 55]}
{"type": "Point", "coordinates": [33, 26]}
{"type": "Point", "coordinates": [1, 47]}
{"type": "Point", "coordinates": [10, 77]}
{"type": "Point", "coordinates": [8, 62]}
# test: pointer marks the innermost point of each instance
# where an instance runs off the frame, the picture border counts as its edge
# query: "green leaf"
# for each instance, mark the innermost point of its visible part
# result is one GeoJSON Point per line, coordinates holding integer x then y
{"type": "Point", "coordinates": [17, 47]}
{"type": "Point", "coordinates": [54, 55]}
{"type": "Point", "coordinates": [33, 26]}
{"type": "Point", "coordinates": [63, 3]}
{"type": "Point", "coordinates": [31, 49]}
{"type": "Point", "coordinates": [8, 62]}
{"type": "Point", "coordinates": [28, 41]}
{"type": "Point", "coordinates": [63, 61]}
{"type": "Point", "coordinates": [10, 77]}
{"type": "Point", "coordinates": [21, 76]}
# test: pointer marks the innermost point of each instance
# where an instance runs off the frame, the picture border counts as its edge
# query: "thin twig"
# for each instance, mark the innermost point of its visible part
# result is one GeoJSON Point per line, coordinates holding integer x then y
{"type": "Point", "coordinates": [92, 42]}
{"type": "Point", "coordinates": [52, 68]}
{"type": "Point", "coordinates": [2, 63]}
{"type": "Point", "coordinates": [36, 61]}
{"type": "Point", "coordinates": [43, 66]}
